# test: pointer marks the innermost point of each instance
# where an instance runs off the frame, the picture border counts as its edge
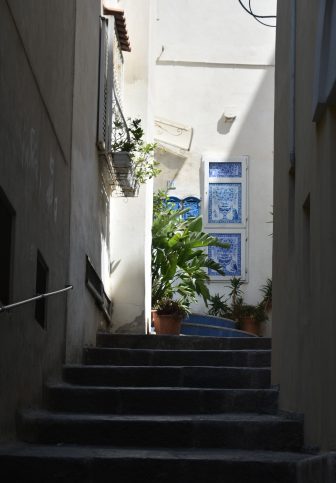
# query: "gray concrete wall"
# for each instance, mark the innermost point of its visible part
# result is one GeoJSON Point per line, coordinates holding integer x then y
{"type": "Point", "coordinates": [47, 31]}
{"type": "Point", "coordinates": [88, 206]}
{"type": "Point", "coordinates": [304, 262]}
{"type": "Point", "coordinates": [49, 171]}
{"type": "Point", "coordinates": [35, 175]}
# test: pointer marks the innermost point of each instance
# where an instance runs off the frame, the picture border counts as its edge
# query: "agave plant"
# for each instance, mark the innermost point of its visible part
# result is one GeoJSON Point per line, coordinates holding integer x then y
{"type": "Point", "coordinates": [219, 306]}
{"type": "Point", "coordinates": [234, 307]}
{"type": "Point", "coordinates": [179, 261]}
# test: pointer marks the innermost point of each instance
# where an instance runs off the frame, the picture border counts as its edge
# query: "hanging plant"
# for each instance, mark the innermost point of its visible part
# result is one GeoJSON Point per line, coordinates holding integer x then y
{"type": "Point", "coordinates": [133, 158]}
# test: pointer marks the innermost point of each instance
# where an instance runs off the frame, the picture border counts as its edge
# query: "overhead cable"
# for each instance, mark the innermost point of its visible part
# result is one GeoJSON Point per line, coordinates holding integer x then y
{"type": "Point", "coordinates": [257, 17]}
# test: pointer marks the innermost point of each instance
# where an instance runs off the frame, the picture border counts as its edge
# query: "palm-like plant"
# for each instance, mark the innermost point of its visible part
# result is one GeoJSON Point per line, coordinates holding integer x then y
{"type": "Point", "coordinates": [266, 290]}
{"type": "Point", "coordinates": [179, 262]}
{"type": "Point", "coordinates": [234, 306]}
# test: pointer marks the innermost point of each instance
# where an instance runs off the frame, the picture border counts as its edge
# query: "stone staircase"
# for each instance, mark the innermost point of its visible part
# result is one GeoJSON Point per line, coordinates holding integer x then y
{"type": "Point", "coordinates": [160, 409]}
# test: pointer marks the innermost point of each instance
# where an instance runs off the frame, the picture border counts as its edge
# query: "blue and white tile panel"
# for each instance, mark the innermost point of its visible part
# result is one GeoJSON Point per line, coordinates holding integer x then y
{"type": "Point", "coordinates": [225, 170]}
{"type": "Point", "coordinates": [225, 203]}
{"type": "Point", "coordinates": [232, 259]}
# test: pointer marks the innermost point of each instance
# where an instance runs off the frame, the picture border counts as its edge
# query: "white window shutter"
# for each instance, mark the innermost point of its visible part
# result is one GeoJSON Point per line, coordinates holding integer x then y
{"type": "Point", "coordinates": [105, 83]}
{"type": "Point", "coordinates": [109, 80]}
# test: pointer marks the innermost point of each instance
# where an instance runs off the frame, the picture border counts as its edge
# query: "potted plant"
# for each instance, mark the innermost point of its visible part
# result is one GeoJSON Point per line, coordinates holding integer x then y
{"type": "Point", "coordinates": [168, 316]}
{"type": "Point", "coordinates": [251, 318]}
{"type": "Point", "coordinates": [179, 262]}
{"type": "Point", "coordinates": [247, 317]}
{"type": "Point", "coordinates": [231, 307]}
{"type": "Point", "coordinates": [132, 159]}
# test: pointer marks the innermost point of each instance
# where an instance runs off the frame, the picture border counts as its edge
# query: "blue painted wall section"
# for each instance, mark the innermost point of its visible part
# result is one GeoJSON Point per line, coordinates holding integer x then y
{"type": "Point", "coordinates": [191, 202]}
{"type": "Point", "coordinates": [194, 206]}
{"type": "Point", "coordinates": [175, 203]}
{"type": "Point", "coordinates": [207, 325]}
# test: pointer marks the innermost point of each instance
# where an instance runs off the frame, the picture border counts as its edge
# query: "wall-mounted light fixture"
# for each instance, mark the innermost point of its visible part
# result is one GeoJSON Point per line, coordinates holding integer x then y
{"type": "Point", "coordinates": [229, 117]}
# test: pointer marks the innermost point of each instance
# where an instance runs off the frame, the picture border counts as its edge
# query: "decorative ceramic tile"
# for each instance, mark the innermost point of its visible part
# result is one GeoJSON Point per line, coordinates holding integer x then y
{"type": "Point", "coordinates": [230, 259]}
{"type": "Point", "coordinates": [225, 203]}
{"type": "Point", "coordinates": [193, 204]}
{"type": "Point", "coordinates": [174, 202]}
{"type": "Point", "coordinates": [225, 170]}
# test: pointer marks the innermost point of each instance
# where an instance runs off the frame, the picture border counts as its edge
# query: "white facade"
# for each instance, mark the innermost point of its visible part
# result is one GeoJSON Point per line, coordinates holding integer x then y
{"type": "Point", "coordinates": [131, 218]}
{"type": "Point", "coordinates": [209, 75]}
{"type": "Point", "coordinates": [214, 74]}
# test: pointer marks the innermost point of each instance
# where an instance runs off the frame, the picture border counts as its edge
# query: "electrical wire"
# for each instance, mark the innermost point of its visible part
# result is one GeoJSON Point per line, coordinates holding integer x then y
{"type": "Point", "coordinates": [255, 16]}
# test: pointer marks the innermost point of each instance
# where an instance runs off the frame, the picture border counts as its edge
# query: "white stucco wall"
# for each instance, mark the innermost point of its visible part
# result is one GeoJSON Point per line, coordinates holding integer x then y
{"type": "Point", "coordinates": [130, 218]}
{"type": "Point", "coordinates": [214, 59]}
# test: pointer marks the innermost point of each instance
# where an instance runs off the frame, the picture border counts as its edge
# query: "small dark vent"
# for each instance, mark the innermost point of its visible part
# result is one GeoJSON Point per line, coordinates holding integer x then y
{"type": "Point", "coordinates": [41, 288]}
{"type": "Point", "coordinates": [7, 224]}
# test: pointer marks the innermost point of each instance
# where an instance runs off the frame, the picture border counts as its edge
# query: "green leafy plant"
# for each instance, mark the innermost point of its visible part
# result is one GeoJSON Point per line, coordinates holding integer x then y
{"type": "Point", "coordinates": [266, 290]}
{"type": "Point", "coordinates": [130, 139]}
{"type": "Point", "coordinates": [168, 306]}
{"type": "Point", "coordinates": [236, 292]}
{"type": "Point", "coordinates": [218, 306]}
{"type": "Point", "coordinates": [179, 262]}
{"type": "Point", "coordinates": [234, 307]}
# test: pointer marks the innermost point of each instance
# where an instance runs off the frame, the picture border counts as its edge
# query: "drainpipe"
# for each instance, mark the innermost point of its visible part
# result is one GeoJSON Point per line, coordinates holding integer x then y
{"type": "Point", "coordinates": [292, 134]}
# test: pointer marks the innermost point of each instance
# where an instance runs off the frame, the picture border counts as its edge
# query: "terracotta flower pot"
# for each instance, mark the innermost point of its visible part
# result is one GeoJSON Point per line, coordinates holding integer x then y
{"type": "Point", "coordinates": [154, 319]}
{"type": "Point", "coordinates": [249, 324]}
{"type": "Point", "coordinates": [167, 324]}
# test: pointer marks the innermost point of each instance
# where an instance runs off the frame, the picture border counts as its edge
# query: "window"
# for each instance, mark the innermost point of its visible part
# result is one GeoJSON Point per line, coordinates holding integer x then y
{"type": "Point", "coordinates": [7, 225]}
{"type": "Point", "coordinates": [41, 288]}
{"type": "Point", "coordinates": [105, 84]}
{"type": "Point", "coordinates": [113, 40]}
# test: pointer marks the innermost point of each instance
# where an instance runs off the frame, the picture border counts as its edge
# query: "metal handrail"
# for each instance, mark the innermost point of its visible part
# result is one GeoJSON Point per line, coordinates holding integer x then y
{"type": "Point", "coordinates": [5, 308]}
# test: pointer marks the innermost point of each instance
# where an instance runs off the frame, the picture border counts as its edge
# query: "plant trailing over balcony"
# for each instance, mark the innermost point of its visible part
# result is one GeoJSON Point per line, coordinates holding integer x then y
{"type": "Point", "coordinates": [133, 158]}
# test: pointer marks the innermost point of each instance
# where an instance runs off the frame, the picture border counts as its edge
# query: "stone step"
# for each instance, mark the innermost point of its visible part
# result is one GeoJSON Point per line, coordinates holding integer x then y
{"type": "Point", "coordinates": [130, 400]}
{"type": "Point", "coordinates": [65, 464]}
{"type": "Point", "coordinates": [234, 431]}
{"type": "Point", "coordinates": [181, 342]}
{"type": "Point", "coordinates": [144, 357]}
{"type": "Point", "coordinates": [171, 376]}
